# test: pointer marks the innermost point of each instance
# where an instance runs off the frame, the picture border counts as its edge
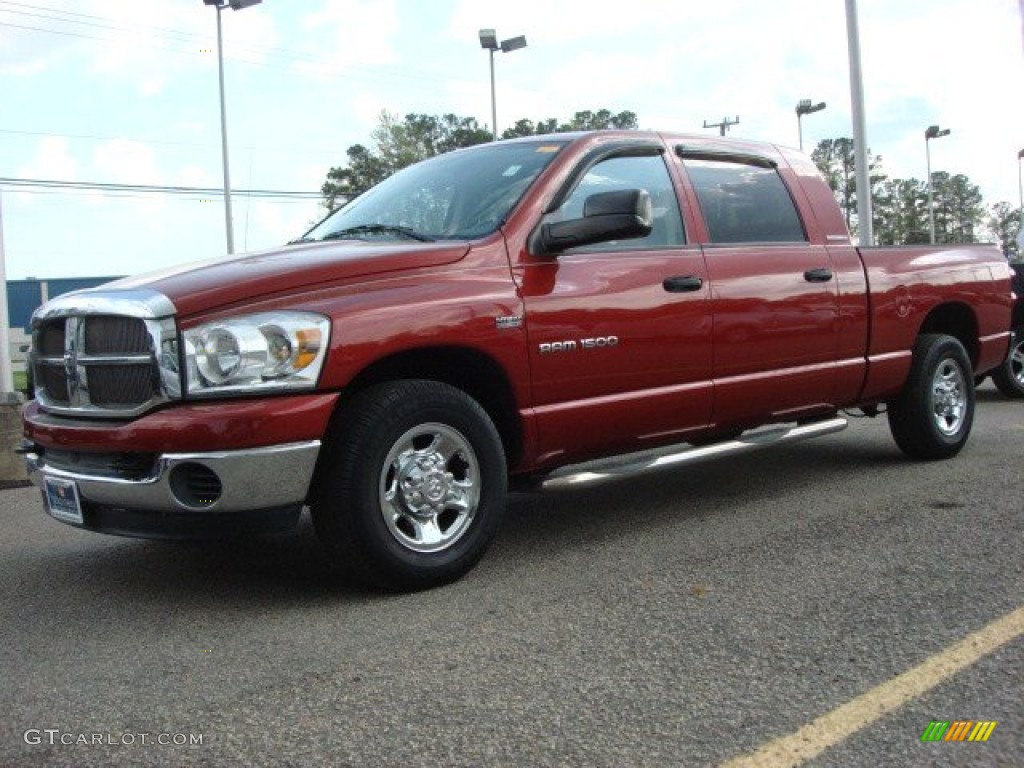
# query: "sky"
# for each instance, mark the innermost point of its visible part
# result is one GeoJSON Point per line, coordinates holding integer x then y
{"type": "Point", "coordinates": [126, 92]}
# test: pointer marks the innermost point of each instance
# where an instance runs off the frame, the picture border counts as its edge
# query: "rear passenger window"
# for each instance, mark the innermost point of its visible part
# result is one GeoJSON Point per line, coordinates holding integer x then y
{"type": "Point", "coordinates": [744, 203]}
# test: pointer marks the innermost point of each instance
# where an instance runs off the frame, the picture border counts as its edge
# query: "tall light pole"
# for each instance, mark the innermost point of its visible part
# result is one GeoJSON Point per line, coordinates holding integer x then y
{"type": "Point", "coordinates": [805, 107]}
{"type": "Point", "coordinates": [489, 41]}
{"type": "Point", "coordinates": [865, 223]}
{"type": "Point", "coordinates": [1020, 189]}
{"type": "Point", "coordinates": [1020, 180]}
{"type": "Point", "coordinates": [7, 394]}
{"type": "Point", "coordinates": [932, 132]}
{"type": "Point", "coordinates": [220, 5]}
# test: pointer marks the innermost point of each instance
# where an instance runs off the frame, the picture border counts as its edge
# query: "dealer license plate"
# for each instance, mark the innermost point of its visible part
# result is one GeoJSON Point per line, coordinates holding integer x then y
{"type": "Point", "coordinates": [62, 499]}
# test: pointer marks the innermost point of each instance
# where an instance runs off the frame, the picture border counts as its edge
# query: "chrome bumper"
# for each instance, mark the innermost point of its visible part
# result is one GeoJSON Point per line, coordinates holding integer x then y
{"type": "Point", "coordinates": [258, 478]}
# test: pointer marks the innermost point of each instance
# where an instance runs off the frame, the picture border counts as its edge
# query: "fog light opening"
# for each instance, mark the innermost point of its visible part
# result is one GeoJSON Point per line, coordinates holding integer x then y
{"type": "Point", "coordinates": [195, 485]}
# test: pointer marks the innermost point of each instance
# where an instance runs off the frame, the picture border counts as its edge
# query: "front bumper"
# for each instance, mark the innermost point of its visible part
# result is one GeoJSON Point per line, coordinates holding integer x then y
{"type": "Point", "coordinates": [189, 495]}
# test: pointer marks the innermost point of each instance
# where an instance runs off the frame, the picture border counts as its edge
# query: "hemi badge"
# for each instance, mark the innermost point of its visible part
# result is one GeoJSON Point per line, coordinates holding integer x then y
{"type": "Point", "coordinates": [508, 321]}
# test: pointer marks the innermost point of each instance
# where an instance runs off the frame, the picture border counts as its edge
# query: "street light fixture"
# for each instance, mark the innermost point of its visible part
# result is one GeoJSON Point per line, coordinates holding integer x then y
{"type": "Point", "coordinates": [220, 5]}
{"type": "Point", "coordinates": [932, 132]}
{"type": "Point", "coordinates": [489, 41]}
{"type": "Point", "coordinates": [805, 107]}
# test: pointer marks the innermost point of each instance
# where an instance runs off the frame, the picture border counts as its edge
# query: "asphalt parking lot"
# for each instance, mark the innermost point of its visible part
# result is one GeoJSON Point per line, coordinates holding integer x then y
{"type": "Point", "coordinates": [684, 619]}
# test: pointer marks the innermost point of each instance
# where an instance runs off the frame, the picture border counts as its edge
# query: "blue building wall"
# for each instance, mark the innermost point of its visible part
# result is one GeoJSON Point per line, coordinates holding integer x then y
{"type": "Point", "coordinates": [24, 296]}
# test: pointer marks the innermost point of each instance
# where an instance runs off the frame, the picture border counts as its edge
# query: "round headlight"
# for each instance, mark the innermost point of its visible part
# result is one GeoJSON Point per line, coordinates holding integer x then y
{"type": "Point", "coordinates": [218, 355]}
{"type": "Point", "coordinates": [230, 354]}
{"type": "Point", "coordinates": [279, 345]}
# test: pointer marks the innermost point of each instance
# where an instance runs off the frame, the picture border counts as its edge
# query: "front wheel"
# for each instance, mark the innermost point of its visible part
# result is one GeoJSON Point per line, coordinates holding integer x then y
{"type": "Point", "coordinates": [932, 417]}
{"type": "Point", "coordinates": [412, 485]}
{"type": "Point", "coordinates": [1009, 377]}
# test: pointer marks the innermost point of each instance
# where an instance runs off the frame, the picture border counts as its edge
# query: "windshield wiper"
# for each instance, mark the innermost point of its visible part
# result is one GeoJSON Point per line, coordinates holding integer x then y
{"type": "Point", "coordinates": [373, 229]}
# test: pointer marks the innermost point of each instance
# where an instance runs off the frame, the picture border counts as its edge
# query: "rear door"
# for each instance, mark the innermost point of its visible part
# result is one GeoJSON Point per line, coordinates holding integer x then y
{"type": "Point", "coordinates": [774, 293]}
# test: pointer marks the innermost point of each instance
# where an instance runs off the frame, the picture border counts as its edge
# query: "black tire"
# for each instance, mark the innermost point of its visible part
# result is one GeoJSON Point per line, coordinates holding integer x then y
{"type": "Point", "coordinates": [1009, 377]}
{"type": "Point", "coordinates": [932, 417]}
{"type": "Point", "coordinates": [411, 487]}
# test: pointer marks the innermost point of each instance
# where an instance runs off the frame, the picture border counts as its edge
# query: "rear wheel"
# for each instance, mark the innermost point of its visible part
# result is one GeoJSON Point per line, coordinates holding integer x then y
{"type": "Point", "coordinates": [1009, 377]}
{"type": "Point", "coordinates": [412, 485]}
{"type": "Point", "coordinates": [932, 417]}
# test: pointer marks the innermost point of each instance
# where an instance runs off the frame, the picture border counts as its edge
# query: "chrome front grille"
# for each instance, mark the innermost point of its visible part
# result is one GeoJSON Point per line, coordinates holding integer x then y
{"type": "Point", "coordinates": [98, 354]}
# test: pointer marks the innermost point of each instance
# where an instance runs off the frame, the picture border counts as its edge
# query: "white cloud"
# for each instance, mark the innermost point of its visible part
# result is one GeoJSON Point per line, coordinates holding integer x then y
{"type": "Point", "coordinates": [126, 162]}
{"type": "Point", "coordinates": [53, 160]}
{"type": "Point", "coordinates": [25, 51]}
{"type": "Point", "coordinates": [148, 43]}
{"type": "Point", "coordinates": [196, 176]}
{"type": "Point", "coordinates": [131, 162]}
{"type": "Point", "coordinates": [570, 21]}
{"type": "Point", "coordinates": [348, 33]}
{"type": "Point", "coordinates": [263, 224]}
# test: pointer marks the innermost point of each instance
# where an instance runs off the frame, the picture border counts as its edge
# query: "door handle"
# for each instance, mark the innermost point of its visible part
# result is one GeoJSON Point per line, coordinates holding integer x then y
{"type": "Point", "coordinates": [820, 275]}
{"type": "Point", "coordinates": [682, 284]}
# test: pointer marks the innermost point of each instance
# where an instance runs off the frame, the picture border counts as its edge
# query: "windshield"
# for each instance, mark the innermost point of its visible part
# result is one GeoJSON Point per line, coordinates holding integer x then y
{"type": "Point", "coordinates": [456, 196]}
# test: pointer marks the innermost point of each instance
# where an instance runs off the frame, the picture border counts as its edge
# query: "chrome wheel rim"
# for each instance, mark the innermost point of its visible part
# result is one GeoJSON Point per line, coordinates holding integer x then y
{"type": "Point", "coordinates": [430, 488]}
{"type": "Point", "coordinates": [949, 397]}
{"type": "Point", "coordinates": [1016, 361]}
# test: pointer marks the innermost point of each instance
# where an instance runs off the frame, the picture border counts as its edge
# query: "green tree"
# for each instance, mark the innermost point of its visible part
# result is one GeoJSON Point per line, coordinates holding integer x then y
{"type": "Point", "coordinates": [586, 120]}
{"type": "Point", "coordinates": [398, 143]}
{"type": "Point", "coordinates": [527, 127]}
{"type": "Point", "coordinates": [1004, 221]}
{"type": "Point", "coordinates": [902, 218]}
{"type": "Point", "coordinates": [959, 208]}
{"type": "Point", "coordinates": [364, 169]}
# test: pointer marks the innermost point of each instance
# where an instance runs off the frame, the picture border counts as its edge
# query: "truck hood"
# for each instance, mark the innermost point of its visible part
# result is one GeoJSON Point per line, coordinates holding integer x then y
{"type": "Point", "coordinates": [207, 285]}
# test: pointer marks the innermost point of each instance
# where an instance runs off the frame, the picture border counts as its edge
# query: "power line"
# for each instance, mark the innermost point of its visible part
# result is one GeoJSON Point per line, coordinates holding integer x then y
{"type": "Point", "coordinates": [375, 70]}
{"type": "Point", "coordinates": [142, 195]}
{"type": "Point", "coordinates": [210, 145]}
{"type": "Point", "coordinates": [95, 24]}
{"type": "Point", "coordinates": [146, 44]}
{"type": "Point", "coordinates": [155, 188]}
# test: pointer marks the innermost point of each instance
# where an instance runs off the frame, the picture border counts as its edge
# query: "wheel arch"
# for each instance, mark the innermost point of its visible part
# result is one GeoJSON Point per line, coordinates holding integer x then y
{"type": "Point", "coordinates": [956, 320]}
{"type": "Point", "coordinates": [474, 372]}
{"type": "Point", "coordinates": [1017, 320]}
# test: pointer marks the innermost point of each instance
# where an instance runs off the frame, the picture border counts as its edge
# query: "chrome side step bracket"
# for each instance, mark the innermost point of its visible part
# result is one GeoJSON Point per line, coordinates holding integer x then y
{"type": "Point", "coordinates": [575, 477]}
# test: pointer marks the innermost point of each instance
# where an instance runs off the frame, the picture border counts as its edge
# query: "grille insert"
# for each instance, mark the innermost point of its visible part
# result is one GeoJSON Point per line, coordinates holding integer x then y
{"type": "Point", "coordinates": [104, 365]}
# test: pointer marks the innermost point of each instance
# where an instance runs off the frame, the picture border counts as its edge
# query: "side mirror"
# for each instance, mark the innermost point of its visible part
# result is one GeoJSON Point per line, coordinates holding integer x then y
{"type": "Point", "coordinates": [619, 215]}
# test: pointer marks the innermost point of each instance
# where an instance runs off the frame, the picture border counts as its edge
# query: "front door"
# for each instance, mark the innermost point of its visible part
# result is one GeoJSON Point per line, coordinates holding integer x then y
{"type": "Point", "coordinates": [620, 334]}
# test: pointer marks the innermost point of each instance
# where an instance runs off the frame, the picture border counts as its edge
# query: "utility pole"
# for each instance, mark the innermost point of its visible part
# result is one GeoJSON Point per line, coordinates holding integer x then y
{"type": "Point", "coordinates": [724, 125]}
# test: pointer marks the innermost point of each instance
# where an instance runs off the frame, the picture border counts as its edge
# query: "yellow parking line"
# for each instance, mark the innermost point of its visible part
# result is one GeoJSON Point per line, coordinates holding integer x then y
{"type": "Point", "coordinates": [832, 728]}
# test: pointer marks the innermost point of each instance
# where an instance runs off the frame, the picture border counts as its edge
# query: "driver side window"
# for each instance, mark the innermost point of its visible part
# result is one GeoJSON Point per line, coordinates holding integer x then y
{"type": "Point", "coordinates": [616, 173]}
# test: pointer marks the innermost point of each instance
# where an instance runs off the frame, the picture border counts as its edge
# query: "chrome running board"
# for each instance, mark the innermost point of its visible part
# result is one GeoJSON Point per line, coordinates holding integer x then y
{"type": "Point", "coordinates": [573, 477]}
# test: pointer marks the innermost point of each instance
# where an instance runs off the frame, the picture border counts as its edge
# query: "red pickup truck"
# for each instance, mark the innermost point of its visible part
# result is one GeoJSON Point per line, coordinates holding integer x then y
{"type": "Point", "coordinates": [504, 311]}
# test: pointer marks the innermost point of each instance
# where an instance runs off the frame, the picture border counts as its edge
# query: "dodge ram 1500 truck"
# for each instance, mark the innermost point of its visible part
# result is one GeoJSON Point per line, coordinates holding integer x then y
{"type": "Point", "coordinates": [501, 312]}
